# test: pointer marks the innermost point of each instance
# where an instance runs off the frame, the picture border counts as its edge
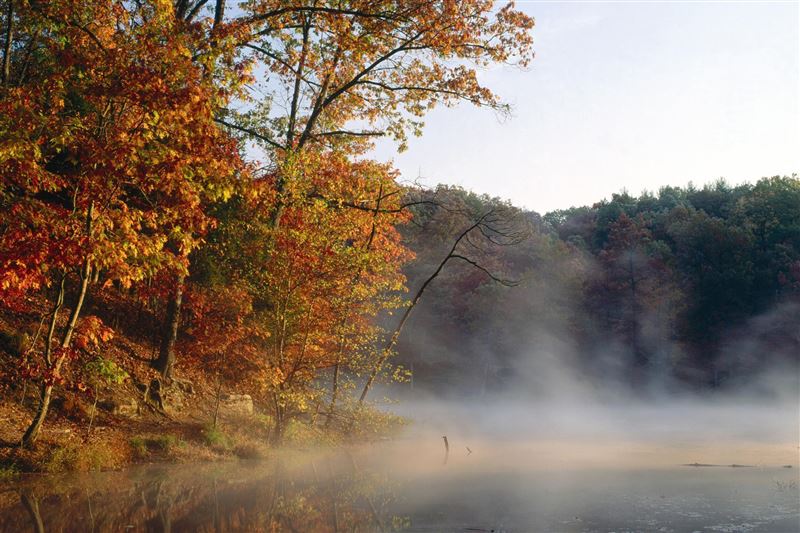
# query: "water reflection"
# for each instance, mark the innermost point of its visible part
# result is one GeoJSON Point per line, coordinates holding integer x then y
{"type": "Point", "coordinates": [404, 486]}
{"type": "Point", "coordinates": [323, 494]}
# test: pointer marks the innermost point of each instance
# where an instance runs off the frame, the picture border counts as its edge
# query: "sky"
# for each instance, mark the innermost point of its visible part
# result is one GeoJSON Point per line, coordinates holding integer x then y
{"type": "Point", "coordinates": [626, 96]}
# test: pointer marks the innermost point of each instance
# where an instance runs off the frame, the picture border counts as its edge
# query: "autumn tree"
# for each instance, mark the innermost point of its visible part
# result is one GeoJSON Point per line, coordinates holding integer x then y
{"type": "Point", "coordinates": [338, 76]}
{"type": "Point", "coordinates": [312, 293]}
{"type": "Point", "coordinates": [109, 149]}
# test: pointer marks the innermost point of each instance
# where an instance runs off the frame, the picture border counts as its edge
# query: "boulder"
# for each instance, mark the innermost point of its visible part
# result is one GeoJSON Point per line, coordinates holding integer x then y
{"type": "Point", "coordinates": [236, 404]}
{"type": "Point", "coordinates": [129, 407]}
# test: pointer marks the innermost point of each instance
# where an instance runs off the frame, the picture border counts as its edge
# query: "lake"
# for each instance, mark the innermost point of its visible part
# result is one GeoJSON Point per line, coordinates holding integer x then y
{"type": "Point", "coordinates": [414, 484]}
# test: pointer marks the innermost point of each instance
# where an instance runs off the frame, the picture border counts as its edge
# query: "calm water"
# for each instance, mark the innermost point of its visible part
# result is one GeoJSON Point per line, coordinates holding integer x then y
{"type": "Point", "coordinates": [406, 485]}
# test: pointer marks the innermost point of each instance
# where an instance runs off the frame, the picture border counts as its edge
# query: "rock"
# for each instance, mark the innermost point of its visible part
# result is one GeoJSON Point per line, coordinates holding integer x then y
{"type": "Point", "coordinates": [184, 385]}
{"type": "Point", "coordinates": [236, 404]}
{"type": "Point", "coordinates": [123, 408]}
{"type": "Point", "coordinates": [154, 393]}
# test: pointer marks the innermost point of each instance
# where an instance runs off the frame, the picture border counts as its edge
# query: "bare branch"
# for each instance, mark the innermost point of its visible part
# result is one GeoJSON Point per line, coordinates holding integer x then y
{"type": "Point", "coordinates": [502, 281]}
{"type": "Point", "coordinates": [249, 132]}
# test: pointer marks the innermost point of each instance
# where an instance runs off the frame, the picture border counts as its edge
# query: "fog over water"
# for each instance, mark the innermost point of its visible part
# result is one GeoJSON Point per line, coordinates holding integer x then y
{"type": "Point", "coordinates": [615, 428]}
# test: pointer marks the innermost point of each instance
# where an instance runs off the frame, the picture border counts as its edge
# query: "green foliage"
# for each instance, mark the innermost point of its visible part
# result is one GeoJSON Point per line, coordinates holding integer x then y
{"type": "Point", "coordinates": [165, 444]}
{"type": "Point", "coordinates": [8, 472]}
{"type": "Point", "coordinates": [660, 284]}
{"type": "Point", "coordinates": [215, 437]}
{"type": "Point", "coordinates": [138, 447]}
{"type": "Point", "coordinates": [105, 372]}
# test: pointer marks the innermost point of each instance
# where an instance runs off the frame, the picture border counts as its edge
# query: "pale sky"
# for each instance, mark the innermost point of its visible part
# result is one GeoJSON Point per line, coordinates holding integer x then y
{"type": "Point", "coordinates": [626, 96]}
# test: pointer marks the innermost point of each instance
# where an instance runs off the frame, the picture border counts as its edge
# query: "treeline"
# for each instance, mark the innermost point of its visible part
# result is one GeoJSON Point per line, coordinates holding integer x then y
{"type": "Point", "coordinates": [195, 175]}
{"type": "Point", "coordinates": [690, 287]}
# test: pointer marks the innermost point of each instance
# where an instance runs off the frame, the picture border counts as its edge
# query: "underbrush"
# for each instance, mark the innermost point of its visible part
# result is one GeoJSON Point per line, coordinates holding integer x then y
{"type": "Point", "coordinates": [8, 472]}
{"type": "Point", "coordinates": [143, 446]}
{"type": "Point", "coordinates": [66, 455]}
{"type": "Point", "coordinates": [75, 457]}
{"type": "Point", "coordinates": [243, 439]}
{"type": "Point", "coordinates": [370, 423]}
{"type": "Point", "coordinates": [215, 438]}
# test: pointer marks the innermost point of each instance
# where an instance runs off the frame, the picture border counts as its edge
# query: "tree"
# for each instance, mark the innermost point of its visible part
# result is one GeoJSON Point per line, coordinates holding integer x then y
{"type": "Point", "coordinates": [340, 67]}
{"type": "Point", "coordinates": [109, 152]}
{"type": "Point", "coordinates": [381, 66]}
{"type": "Point", "coordinates": [634, 293]}
{"type": "Point", "coordinates": [495, 227]}
{"type": "Point", "coordinates": [312, 285]}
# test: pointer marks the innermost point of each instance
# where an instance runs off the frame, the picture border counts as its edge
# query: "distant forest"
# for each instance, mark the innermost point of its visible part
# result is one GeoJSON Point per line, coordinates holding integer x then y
{"type": "Point", "coordinates": [688, 287]}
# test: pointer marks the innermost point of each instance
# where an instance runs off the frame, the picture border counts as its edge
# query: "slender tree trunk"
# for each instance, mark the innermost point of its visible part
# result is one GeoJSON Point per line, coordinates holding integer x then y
{"type": "Point", "coordinates": [387, 351]}
{"type": "Point", "coordinates": [9, 38]}
{"type": "Point", "coordinates": [166, 355]}
{"type": "Point", "coordinates": [277, 434]}
{"type": "Point", "coordinates": [91, 417]}
{"type": "Point", "coordinates": [216, 404]}
{"type": "Point", "coordinates": [334, 395]}
{"type": "Point", "coordinates": [46, 390]}
{"type": "Point", "coordinates": [45, 395]}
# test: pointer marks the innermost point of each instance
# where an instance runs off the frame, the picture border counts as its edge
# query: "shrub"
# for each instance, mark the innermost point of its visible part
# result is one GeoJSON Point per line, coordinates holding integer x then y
{"type": "Point", "coordinates": [163, 443]}
{"type": "Point", "coordinates": [249, 450]}
{"type": "Point", "coordinates": [8, 472]}
{"type": "Point", "coordinates": [76, 456]}
{"type": "Point", "coordinates": [138, 447]}
{"type": "Point", "coordinates": [143, 446]}
{"type": "Point", "coordinates": [215, 437]}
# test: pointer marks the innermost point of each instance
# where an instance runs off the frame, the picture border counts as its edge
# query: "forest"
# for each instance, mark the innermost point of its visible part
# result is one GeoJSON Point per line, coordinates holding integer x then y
{"type": "Point", "coordinates": [690, 288]}
{"type": "Point", "coordinates": [190, 216]}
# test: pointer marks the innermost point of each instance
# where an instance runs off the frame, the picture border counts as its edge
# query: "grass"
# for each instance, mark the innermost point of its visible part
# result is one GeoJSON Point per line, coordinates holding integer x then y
{"type": "Point", "coordinates": [74, 456]}
{"type": "Point", "coordinates": [8, 472]}
{"type": "Point", "coordinates": [250, 450]}
{"type": "Point", "coordinates": [215, 437]}
{"type": "Point", "coordinates": [144, 446]}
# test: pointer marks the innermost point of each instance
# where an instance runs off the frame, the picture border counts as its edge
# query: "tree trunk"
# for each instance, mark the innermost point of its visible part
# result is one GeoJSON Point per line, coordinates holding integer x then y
{"type": "Point", "coordinates": [277, 434]}
{"type": "Point", "coordinates": [166, 354]}
{"type": "Point", "coordinates": [334, 395]}
{"type": "Point", "coordinates": [45, 394]}
{"type": "Point", "coordinates": [46, 390]}
{"type": "Point", "coordinates": [387, 351]}
{"type": "Point", "coordinates": [9, 37]}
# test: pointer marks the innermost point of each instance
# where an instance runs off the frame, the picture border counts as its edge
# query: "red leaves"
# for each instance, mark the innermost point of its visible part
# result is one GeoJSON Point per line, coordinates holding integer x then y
{"type": "Point", "coordinates": [91, 332]}
{"type": "Point", "coordinates": [122, 119]}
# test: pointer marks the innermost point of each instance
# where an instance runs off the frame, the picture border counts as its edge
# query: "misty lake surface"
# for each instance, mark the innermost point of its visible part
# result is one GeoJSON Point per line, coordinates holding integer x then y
{"type": "Point", "coordinates": [406, 485]}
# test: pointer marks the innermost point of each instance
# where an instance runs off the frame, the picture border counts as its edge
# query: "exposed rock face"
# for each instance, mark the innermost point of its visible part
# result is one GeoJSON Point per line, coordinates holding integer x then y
{"type": "Point", "coordinates": [236, 404]}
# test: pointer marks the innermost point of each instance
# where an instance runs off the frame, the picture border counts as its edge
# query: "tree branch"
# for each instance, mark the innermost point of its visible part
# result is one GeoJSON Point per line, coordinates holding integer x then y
{"type": "Point", "coordinates": [249, 132]}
